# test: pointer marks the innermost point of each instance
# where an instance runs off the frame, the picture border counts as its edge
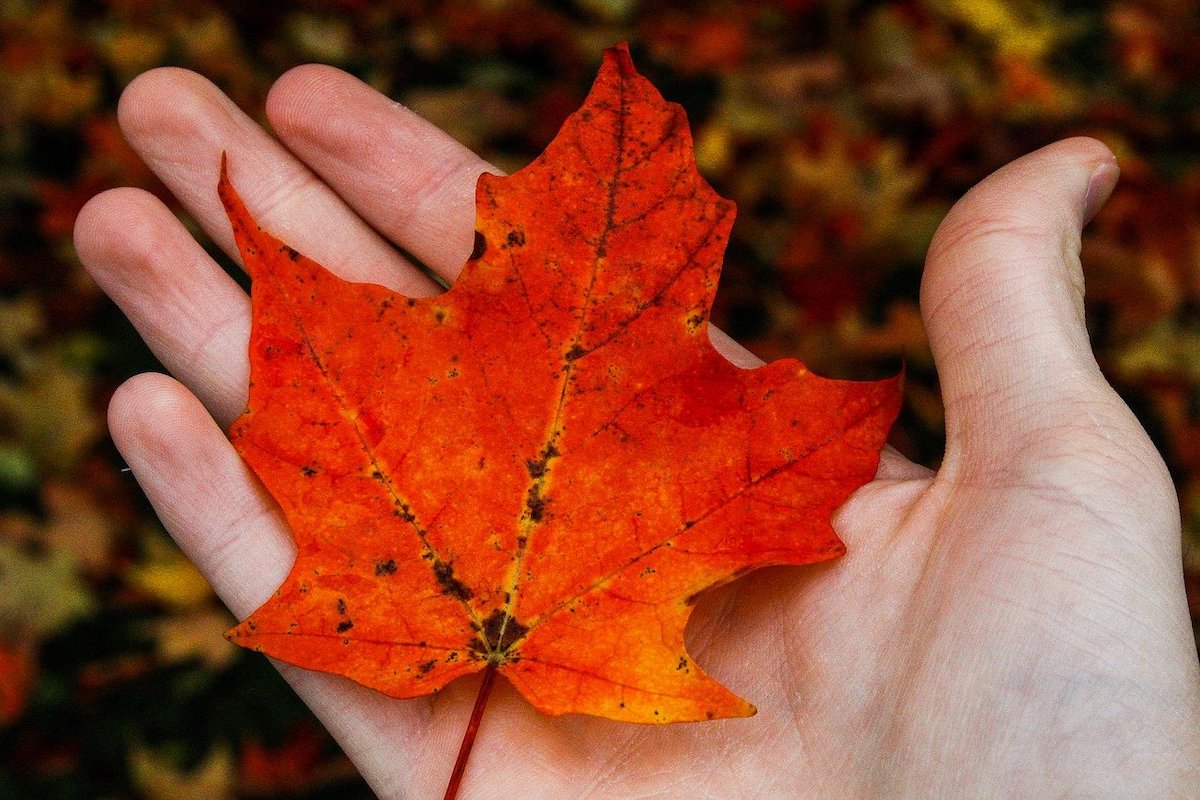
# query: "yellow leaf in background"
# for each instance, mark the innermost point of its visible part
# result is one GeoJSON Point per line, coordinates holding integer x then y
{"type": "Point", "coordinates": [45, 408]}
{"type": "Point", "coordinates": [166, 575]}
{"type": "Point", "coordinates": [131, 50]}
{"type": "Point", "coordinates": [714, 148]}
{"type": "Point", "coordinates": [321, 37]}
{"type": "Point", "coordinates": [52, 413]}
{"type": "Point", "coordinates": [21, 321]}
{"type": "Point", "coordinates": [1022, 29]}
{"type": "Point", "coordinates": [40, 593]}
{"type": "Point", "coordinates": [157, 776]}
{"type": "Point", "coordinates": [1166, 349]}
{"type": "Point", "coordinates": [879, 187]}
{"type": "Point", "coordinates": [198, 635]}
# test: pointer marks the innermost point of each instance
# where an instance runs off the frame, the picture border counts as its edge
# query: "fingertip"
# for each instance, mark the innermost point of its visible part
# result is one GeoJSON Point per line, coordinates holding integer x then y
{"type": "Point", "coordinates": [178, 121]}
{"type": "Point", "coordinates": [1100, 187]}
{"type": "Point", "coordinates": [297, 90]}
{"type": "Point", "coordinates": [1097, 160]}
{"type": "Point", "coordinates": [1002, 298]}
{"type": "Point", "coordinates": [1081, 148]}
{"type": "Point", "coordinates": [113, 218]}
{"type": "Point", "coordinates": [164, 96]}
{"type": "Point", "coordinates": [149, 411]}
{"type": "Point", "coordinates": [93, 217]}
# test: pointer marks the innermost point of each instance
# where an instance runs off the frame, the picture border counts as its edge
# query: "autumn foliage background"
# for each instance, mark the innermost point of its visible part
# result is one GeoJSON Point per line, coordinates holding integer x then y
{"type": "Point", "coordinates": [843, 130]}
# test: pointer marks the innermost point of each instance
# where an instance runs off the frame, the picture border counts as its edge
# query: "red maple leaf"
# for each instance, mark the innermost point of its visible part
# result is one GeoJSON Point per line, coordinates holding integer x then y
{"type": "Point", "coordinates": [537, 472]}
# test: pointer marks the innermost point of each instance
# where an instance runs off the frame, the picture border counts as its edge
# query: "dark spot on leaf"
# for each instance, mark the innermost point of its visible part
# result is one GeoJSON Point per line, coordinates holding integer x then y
{"type": "Point", "coordinates": [537, 510]}
{"type": "Point", "coordinates": [500, 632]}
{"type": "Point", "coordinates": [537, 467]}
{"type": "Point", "coordinates": [535, 504]}
{"type": "Point", "coordinates": [450, 659]}
{"type": "Point", "coordinates": [425, 666]}
{"type": "Point", "coordinates": [451, 586]}
{"type": "Point", "coordinates": [440, 315]}
{"type": "Point", "coordinates": [385, 567]}
{"type": "Point", "coordinates": [376, 474]}
{"type": "Point", "coordinates": [341, 606]}
{"type": "Point", "coordinates": [410, 302]}
{"type": "Point", "coordinates": [515, 238]}
{"type": "Point", "coordinates": [308, 471]}
{"type": "Point", "coordinates": [682, 663]}
{"type": "Point", "coordinates": [290, 252]}
{"type": "Point", "coordinates": [574, 353]}
{"type": "Point", "coordinates": [344, 626]}
{"type": "Point", "coordinates": [479, 248]}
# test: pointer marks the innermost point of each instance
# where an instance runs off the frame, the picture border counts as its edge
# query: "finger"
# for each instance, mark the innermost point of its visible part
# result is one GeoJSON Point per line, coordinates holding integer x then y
{"type": "Point", "coordinates": [180, 123]}
{"type": "Point", "coordinates": [1002, 299]}
{"type": "Point", "coordinates": [191, 314]}
{"type": "Point", "coordinates": [410, 180]}
{"type": "Point", "coordinates": [202, 491]}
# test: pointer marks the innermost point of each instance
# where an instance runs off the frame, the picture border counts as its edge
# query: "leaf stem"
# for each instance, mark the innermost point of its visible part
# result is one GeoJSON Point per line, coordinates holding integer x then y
{"type": "Point", "coordinates": [464, 750]}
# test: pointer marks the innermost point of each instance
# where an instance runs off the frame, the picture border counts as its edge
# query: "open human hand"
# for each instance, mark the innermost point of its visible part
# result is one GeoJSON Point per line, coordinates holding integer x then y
{"type": "Point", "coordinates": [1013, 624]}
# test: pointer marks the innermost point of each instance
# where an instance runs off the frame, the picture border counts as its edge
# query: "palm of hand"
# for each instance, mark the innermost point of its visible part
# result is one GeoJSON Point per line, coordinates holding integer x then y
{"type": "Point", "coordinates": [949, 654]}
{"type": "Point", "coordinates": [1015, 621]}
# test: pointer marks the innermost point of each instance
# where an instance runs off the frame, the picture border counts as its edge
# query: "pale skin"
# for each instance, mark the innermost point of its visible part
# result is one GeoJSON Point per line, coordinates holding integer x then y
{"type": "Point", "coordinates": [1011, 625]}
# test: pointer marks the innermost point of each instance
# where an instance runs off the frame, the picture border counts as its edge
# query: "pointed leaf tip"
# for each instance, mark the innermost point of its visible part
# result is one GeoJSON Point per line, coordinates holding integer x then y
{"type": "Point", "coordinates": [618, 57]}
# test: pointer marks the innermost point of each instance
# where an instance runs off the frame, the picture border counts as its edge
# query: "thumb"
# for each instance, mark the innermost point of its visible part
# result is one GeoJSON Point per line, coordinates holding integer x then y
{"type": "Point", "coordinates": [1002, 299]}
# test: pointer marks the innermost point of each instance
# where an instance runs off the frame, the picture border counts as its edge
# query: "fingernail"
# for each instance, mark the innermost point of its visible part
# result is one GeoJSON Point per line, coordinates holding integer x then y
{"type": "Point", "coordinates": [1100, 186]}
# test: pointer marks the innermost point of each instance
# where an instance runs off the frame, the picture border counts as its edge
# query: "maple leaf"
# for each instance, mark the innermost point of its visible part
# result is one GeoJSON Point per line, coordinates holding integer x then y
{"type": "Point", "coordinates": [538, 471]}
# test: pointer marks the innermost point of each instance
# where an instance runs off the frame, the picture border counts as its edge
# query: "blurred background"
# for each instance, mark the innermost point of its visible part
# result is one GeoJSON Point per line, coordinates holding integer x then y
{"type": "Point", "coordinates": [843, 130]}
